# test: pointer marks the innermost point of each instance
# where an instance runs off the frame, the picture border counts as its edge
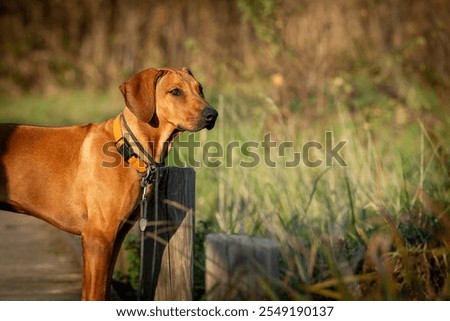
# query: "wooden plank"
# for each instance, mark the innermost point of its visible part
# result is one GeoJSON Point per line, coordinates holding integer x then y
{"type": "Point", "coordinates": [169, 243]}
{"type": "Point", "coordinates": [237, 266]}
{"type": "Point", "coordinates": [36, 261]}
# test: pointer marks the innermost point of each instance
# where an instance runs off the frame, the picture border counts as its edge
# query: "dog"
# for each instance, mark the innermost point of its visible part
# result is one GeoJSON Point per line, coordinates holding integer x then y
{"type": "Point", "coordinates": [58, 174]}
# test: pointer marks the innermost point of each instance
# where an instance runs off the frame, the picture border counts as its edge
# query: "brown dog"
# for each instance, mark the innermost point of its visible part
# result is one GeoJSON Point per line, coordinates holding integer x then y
{"type": "Point", "coordinates": [58, 174]}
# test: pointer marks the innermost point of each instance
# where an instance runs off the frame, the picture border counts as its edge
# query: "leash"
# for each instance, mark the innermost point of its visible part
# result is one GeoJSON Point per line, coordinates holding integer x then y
{"type": "Point", "coordinates": [150, 176]}
{"type": "Point", "coordinates": [154, 176]}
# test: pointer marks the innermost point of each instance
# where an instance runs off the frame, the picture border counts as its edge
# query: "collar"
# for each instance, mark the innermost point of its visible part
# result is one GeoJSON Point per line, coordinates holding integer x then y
{"type": "Point", "coordinates": [125, 148]}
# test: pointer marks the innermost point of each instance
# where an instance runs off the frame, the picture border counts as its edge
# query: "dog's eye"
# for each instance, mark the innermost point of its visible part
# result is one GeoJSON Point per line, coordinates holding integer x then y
{"type": "Point", "coordinates": [176, 92]}
{"type": "Point", "coordinates": [200, 88]}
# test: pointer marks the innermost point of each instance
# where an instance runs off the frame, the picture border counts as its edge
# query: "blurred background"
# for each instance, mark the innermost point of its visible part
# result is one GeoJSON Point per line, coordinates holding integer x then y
{"type": "Point", "coordinates": [374, 72]}
{"type": "Point", "coordinates": [47, 45]}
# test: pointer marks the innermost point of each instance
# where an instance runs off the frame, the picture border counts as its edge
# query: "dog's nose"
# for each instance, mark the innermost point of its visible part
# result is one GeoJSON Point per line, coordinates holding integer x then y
{"type": "Point", "coordinates": [210, 114]}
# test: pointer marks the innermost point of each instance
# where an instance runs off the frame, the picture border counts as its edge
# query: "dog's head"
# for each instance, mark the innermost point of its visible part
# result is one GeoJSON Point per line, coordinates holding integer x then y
{"type": "Point", "coordinates": [169, 97]}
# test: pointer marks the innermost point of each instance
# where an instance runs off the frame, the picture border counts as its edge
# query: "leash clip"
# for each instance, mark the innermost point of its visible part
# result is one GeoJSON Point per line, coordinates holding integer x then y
{"type": "Point", "coordinates": [146, 180]}
{"type": "Point", "coordinates": [149, 176]}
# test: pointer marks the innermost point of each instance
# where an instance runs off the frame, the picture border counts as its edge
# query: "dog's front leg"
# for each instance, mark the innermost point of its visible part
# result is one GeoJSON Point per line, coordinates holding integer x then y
{"type": "Point", "coordinates": [97, 261]}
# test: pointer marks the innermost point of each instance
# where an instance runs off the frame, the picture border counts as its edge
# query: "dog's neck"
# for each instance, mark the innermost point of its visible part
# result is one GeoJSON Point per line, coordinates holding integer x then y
{"type": "Point", "coordinates": [156, 140]}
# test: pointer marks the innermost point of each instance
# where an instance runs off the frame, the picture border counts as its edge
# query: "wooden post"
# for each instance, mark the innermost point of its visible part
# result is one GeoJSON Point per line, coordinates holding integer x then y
{"type": "Point", "coordinates": [169, 243]}
{"type": "Point", "coordinates": [237, 267]}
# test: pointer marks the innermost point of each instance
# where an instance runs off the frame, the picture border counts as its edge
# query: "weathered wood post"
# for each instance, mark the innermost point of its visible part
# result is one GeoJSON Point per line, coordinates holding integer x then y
{"type": "Point", "coordinates": [169, 242]}
{"type": "Point", "coordinates": [238, 267]}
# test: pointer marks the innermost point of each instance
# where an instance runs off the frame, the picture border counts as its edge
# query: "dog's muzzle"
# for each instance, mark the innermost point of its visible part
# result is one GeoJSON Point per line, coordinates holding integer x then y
{"type": "Point", "coordinates": [210, 115]}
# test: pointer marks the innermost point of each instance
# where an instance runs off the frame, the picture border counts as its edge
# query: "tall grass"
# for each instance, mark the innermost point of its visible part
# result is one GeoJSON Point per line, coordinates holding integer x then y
{"type": "Point", "coordinates": [374, 229]}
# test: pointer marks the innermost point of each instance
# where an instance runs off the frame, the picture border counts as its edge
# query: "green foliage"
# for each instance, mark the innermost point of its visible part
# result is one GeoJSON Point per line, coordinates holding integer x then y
{"type": "Point", "coordinates": [261, 14]}
{"type": "Point", "coordinates": [131, 246]}
{"type": "Point", "coordinates": [202, 229]}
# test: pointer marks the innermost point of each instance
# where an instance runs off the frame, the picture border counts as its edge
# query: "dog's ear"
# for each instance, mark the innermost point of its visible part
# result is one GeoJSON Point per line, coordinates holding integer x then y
{"type": "Point", "coordinates": [187, 70]}
{"type": "Point", "coordinates": [139, 93]}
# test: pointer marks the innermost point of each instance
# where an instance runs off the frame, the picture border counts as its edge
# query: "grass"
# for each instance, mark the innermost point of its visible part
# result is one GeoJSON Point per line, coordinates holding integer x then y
{"type": "Point", "coordinates": [66, 108]}
{"type": "Point", "coordinates": [374, 229]}
{"type": "Point", "coordinates": [377, 228]}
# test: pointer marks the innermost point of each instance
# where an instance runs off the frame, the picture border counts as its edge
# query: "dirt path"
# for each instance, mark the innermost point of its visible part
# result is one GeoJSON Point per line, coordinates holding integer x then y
{"type": "Point", "coordinates": [37, 261]}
